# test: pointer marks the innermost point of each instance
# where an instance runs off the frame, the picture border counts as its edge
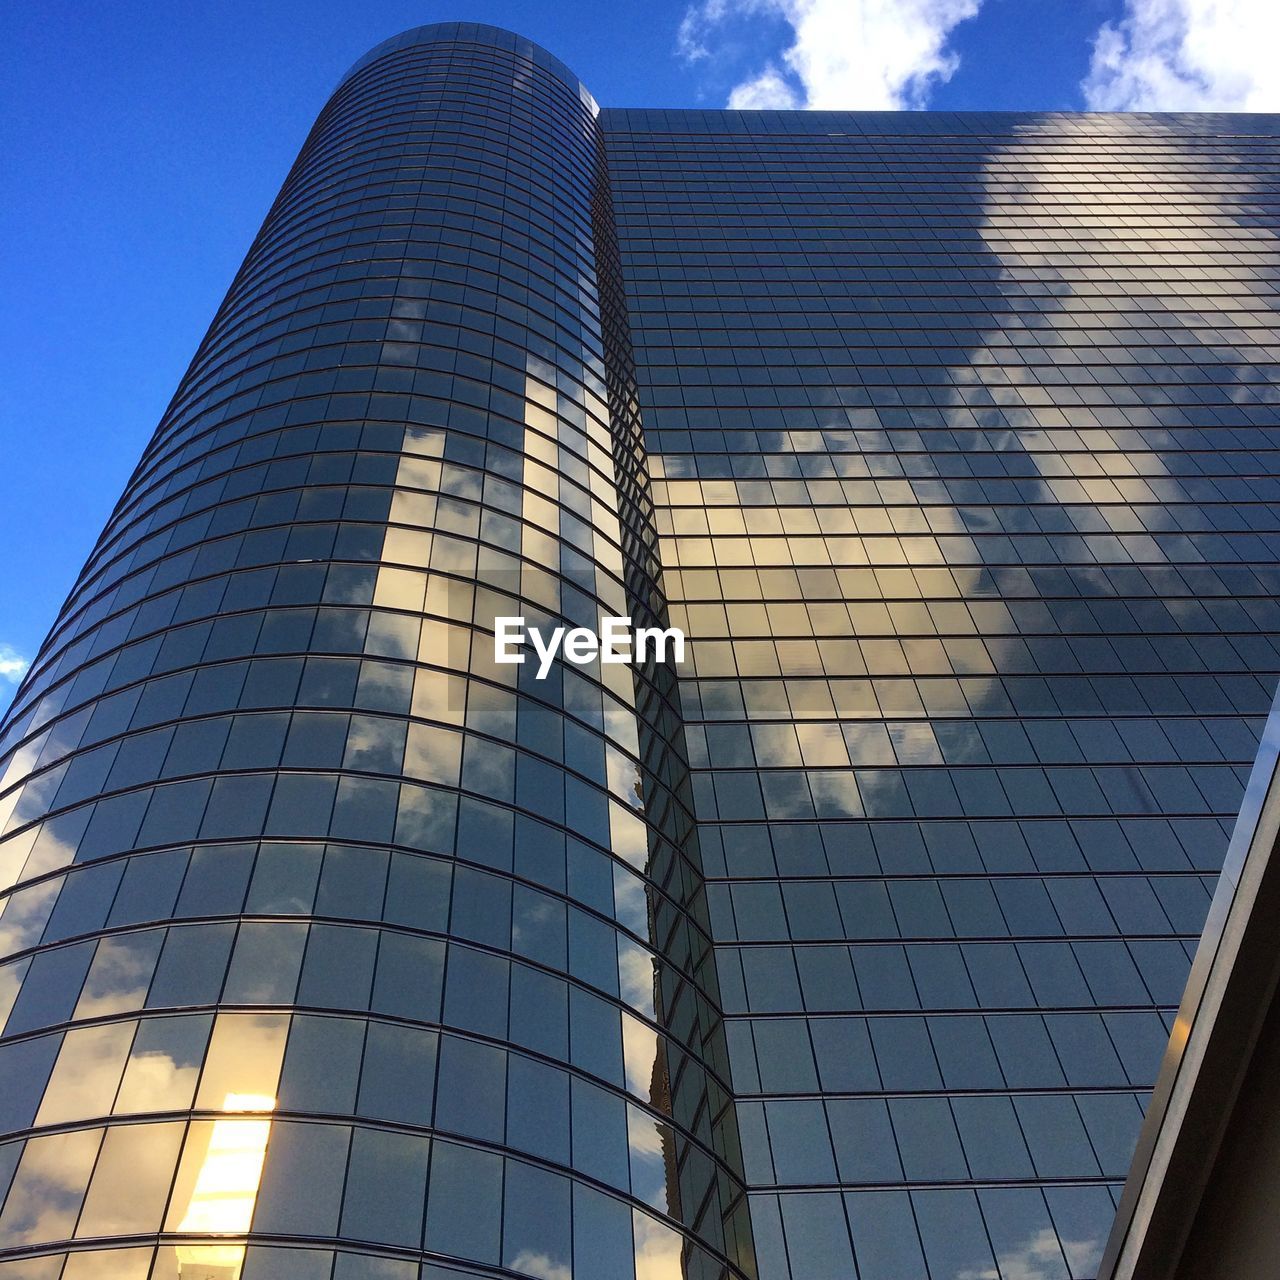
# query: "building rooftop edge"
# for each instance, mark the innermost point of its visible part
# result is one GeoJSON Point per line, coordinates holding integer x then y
{"type": "Point", "coordinates": [475, 33]}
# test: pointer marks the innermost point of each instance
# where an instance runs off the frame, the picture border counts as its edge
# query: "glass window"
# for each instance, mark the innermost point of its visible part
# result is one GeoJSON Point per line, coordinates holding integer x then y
{"type": "Point", "coordinates": [219, 1171]}
{"type": "Point", "coordinates": [243, 1062]}
{"type": "Point", "coordinates": [800, 1141]}
{"type": "Point", "coordinates": [216, 880]}
{"type": "Point", "coordinates": [398, 1079]}
{"type": "Point", "coordinates": [602, 1234]}
{"type": "Point", "coordinates": [951, 1229]}
{"type": "Point", "coordinates": [353, 883]}
{"type": "Point", "coordinates": [338, 970]}
{"type": "Point", "coordinates": [386, 1187]}
{"type": "Point", "coordinates": [301, 804]}
{"type": "Point", "coordinates": [284, 879]}
{"type": "Point", "coordinates": [48, 1187]}
{"type": "Point", "coordinates": [464, 1207]}
{"type": "Point", "coordinates": [927, 1140]}
{"type": "Point", "coordinates": [265, 963]}
{"type": "Point", "coordinates": [51, 987]}
{"type": "Point", "coordinates": [417, 892]}
{"type": "Point", "coordinates": [887, 1243]}
{"type": "Point", "coordinates": [237, 806]}
{"type": "Point", "coordinates": [302, 1179]}
{"type": "Point", "coordinates": [904, 1054]}
{"type": "Point", "coordinates": [472, 1092]}
{"type": "Point", "coordinates": [87, 1073]}
{"type": "Point", "coordinates": [262, 1263]}
{"type": "Point", "coordinates": [108, 1264]}
{"type": "Point", "coordinates": [408, 977]}
{"type": "Point", "coordinates": [538, 1109]}
{"type": "Point", "coordinates": [322, 1064]}
{"type": "Point", "coordinates": [163, 1064]}
{"type": "Point", "coordinates": [149, 888]}
{"type": "Point", "coordinates": [1022, 1232]}
{"type": "Point", "coordinates": [192, 965]}
{"type": "Point", "coordinates": [477, 994]}
{"type": "Point", "coordinates": [120, 974]}
{"type": "Point", "coordinates": [25, 1067]}
{"type": "Point", "coordinates": [817, 1236]}
{"type": "Point", "coordinates": [83, 904]}
{"type": "Point", "coordinates": [536, 1227]}
{"type": "Point", "coordinates": [131, 1180]}
{"type": "Point", "coordinates": [1056, 1136]}
{"type": "Point", "coordinates": [600, 1134]}
{"type": "Point", "coordinates": [992, 1138]}
{"type": "Point", "coordinates": [863, 1138]}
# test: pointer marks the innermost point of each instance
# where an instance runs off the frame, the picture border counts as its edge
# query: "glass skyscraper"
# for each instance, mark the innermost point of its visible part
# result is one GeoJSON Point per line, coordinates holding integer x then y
{"type": "Point", "coordinates": [846, 949]}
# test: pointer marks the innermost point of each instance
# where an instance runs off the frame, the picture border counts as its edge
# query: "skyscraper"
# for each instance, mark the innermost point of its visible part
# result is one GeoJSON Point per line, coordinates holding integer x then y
{"type": "Point", "coordinates": [849, 946]}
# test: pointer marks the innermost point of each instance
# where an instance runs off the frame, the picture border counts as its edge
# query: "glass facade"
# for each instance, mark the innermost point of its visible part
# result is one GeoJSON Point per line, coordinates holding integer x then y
{"type": "Point", "coordinates": [963, 442]}
{"type": "Point", "coordinates": [331, 949]}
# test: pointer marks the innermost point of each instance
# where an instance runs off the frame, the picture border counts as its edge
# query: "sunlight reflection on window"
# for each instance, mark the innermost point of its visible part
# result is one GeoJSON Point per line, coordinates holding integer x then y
{"type": "Point", "coordinates": [225, 1189]}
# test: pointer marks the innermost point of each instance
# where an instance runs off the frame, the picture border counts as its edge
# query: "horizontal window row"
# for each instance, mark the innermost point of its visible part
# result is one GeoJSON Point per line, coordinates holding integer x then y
{"type": "Point", "coordinates": [561, 325]}
{"type": "Point", "coordinates": [957, 1052]}
{"type": "Point", "coordinates": [993, 548]}
{"type": "Point", "coordinates": [1097, 361]}
{"type": "Point", "coordinates": [971, 792]}
{"type": "Point", "coordinates": [309, 805]}
{"type": "Point", "coordinates": [1009, 656]}
{"type": "Point", "coordinates": [361, 743]}
{"type": "Point", "coordinates": [240, 626]}
{"type": "Point", "coordinates": [361, 884]}
{"type": "Point", "coordinates": [303, 525]}
{"type": "Point", "coordinates": [486, 152]}
{"type": "Point", "coordinates": [389, 401]}
{"type": "Point", "coordinates": [323, 226]}
{"type": "Point", "coordinates": [789, 443]}
{"type": "Point", "coordinates": [1234, 597]}
{"type": "Point", "coordinates": [343, 968]}
{"type": "Point", "coordinates": [307, 1180]}
{"type": "Point", "coordinates": [1130, 973]}
{"type": "Point", "coordinates": [1034, 846]}
{"type": "Point", "coordinates": [327, 1066]}
{"type": "Point", "coordinates": [369, 685]}
{"type": "Point", "coordinates": [1110, 695]}
{"type": "Point", "coordinates": [435, 225]}
{"type": "Point", "coordinates": [498, 353]}
{"type": "Point", "coordinates": [393, 812]}
{"type": "Point", "coordinates": [1054, 1233]}
{"type": "Point", "coordinates": [970, 477]}
{"type": "Point", "coordinates": [699, 319]}
{"type": "Point", "coordinates": [1212, 739]}
{"type": "Point", "coordinates": [1107, 378]}
{"type": "Point", "coordinates": [755, 520]}
{"type": "Point", "coordinates": [866, 1141]}
{"type": "Point", "coordinates": [756, 240]}
{"type": "Point", "coordinates": [1024, 907]}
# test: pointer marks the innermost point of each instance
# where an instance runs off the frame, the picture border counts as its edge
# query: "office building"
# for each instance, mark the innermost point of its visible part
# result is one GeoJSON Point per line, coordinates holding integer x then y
{"type": "Point", "coordinates": [849, 946]}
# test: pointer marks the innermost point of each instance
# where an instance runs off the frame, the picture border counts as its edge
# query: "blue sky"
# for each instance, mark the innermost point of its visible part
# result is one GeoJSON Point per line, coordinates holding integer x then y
{"type": "Point", "coordinates": [143, 143]}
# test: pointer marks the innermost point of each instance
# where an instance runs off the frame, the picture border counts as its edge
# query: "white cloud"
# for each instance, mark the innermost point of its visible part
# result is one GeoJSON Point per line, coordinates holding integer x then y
{"type": "Point", "coordinates": [769, 91]}
{"type": "Point", "coordinates": [13, 666]}
{"type": "Point", "coordinates": [870, 55]}
{"type": "Point", "coordinates": [1187, 55]}
{"type": "Point", "coordinates": [695, 25]}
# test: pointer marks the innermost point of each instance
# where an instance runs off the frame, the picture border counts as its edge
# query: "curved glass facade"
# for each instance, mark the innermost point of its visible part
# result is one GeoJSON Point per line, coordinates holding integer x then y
{"type": "Point", "coordinates": [331, 942]}
{"type": "Point", "coordinates": [332, 949]}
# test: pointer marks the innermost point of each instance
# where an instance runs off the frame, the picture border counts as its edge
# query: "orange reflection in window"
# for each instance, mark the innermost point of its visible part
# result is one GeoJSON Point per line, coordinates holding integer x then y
{"type": "Point", "coordinates": [226, 1189]}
